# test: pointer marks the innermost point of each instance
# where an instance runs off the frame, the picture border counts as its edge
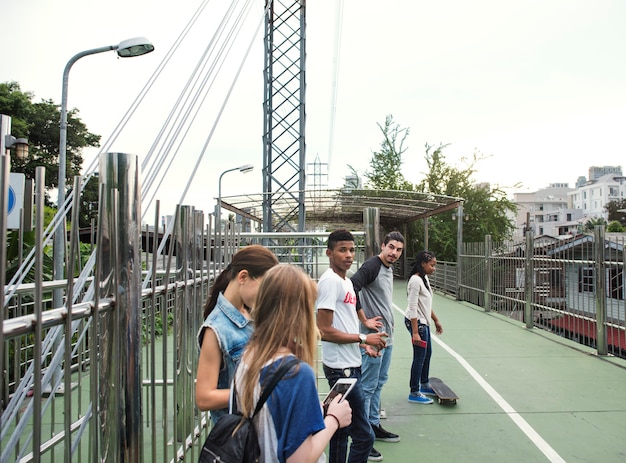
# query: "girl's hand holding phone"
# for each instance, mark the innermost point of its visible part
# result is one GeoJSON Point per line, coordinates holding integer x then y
{"type": "Point", "coordinates": [340, 410]}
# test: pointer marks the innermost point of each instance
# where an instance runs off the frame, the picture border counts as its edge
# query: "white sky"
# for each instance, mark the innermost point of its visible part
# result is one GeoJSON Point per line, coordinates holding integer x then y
{"type": "Point", "coordinates": [538, 86]}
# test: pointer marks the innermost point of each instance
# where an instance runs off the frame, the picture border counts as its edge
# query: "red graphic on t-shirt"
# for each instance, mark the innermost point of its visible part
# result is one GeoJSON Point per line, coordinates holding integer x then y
{"type": "Point", "coordinates": [350, 299]}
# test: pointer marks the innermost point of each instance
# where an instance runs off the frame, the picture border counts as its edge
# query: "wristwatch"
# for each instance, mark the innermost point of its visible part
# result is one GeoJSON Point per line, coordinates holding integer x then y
{"type": "Point", "coordinates": [362, 338]}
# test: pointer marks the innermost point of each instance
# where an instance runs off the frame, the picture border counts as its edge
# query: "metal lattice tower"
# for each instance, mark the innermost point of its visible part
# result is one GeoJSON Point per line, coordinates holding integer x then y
{"type": "Point", "coordinates": [284, 114]}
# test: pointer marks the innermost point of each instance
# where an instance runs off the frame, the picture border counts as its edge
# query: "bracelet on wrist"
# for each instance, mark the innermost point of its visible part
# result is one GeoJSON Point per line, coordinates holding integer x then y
{"type": "Point", "coordinates": [336, 419]}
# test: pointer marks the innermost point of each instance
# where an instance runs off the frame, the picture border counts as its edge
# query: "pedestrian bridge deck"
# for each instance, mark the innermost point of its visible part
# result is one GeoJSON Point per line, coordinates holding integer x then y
{"type": "Point", "coordinates": [526, 395]}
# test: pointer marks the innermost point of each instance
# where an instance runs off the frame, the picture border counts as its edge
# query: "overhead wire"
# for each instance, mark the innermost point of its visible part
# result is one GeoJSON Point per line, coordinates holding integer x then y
{"type": "Point", "coordinates": [203, 81]}
{"type": "Point", "coordinates": [335, 80]}
{"type": "Point", "coordinates": [59, 218]}
{"type": "Point", "coordinates": [179, 121]}
{"type": "Point", "coordinates": [202, 153]}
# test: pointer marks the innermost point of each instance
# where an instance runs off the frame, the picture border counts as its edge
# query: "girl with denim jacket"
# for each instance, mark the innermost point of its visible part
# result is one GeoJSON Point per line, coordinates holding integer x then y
{"type": "Point", "coordinates": [227, 326]}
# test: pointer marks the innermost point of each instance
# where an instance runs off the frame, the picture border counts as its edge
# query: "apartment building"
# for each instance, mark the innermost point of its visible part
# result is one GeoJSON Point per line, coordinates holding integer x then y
{"type": "Point", "coordinates": [547, 211]}
{"type": "Point", "coordinates": [592, 197]}
{"type": "Point", "coordinates": [559, 210]}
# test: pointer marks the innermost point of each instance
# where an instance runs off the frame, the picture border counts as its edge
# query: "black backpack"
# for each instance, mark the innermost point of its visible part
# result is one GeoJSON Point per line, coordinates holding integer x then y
{"type": "Point", "coordinates": [233, 439]}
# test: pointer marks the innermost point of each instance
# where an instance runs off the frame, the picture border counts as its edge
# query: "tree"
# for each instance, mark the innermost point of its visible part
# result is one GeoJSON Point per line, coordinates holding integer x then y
{"type": "Point", "coordinates": [89, 202]}
{"type": "Point", "coordinates": [486, 209]}
{"type": "Point", "coordinates": [39, 123]}
{"type": "Point", "coordinates": [386, 164]}
{"type": "Point", "coordinates": [613, 208]}
{"type": "Point", "coordinates": [590, 224]}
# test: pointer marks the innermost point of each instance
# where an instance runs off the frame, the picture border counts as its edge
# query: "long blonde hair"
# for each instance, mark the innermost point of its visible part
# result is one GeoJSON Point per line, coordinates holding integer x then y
{"type": "Point", "coordinates": [284, 317]}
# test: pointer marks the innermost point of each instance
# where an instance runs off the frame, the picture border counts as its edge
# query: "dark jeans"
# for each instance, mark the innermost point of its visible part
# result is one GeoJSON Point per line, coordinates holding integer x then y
{"type": "Point", "coordinates": [420, 368]}
{"type": "Point", "coordinates": [359, 430]}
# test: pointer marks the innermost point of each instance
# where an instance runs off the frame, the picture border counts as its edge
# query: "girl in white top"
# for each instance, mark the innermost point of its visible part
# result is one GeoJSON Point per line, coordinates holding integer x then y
{"type": "Point", "coordinates": [417, 320]}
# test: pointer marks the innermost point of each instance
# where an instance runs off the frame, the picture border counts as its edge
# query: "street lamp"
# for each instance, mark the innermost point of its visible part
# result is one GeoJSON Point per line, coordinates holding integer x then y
{"type": "Point", "coordinates": [218, 213]}
{"type": "Point", "coordinates": [20, 144]}
{"type": "Point", "coordinates": [126, 49]}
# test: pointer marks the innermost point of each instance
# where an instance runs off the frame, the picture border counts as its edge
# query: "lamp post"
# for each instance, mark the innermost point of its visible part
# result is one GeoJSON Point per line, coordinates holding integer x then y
{"type": "Point", "coordinates": [126, 49]}
{"type": "Point", "coordinates": [218, 213]}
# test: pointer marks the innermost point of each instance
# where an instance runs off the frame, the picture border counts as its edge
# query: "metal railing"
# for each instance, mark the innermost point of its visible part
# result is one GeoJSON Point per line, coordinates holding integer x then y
{"type": "Point", "coordinates": [110, 376]}
{"type": "Point", "coordinates": [574, 287]}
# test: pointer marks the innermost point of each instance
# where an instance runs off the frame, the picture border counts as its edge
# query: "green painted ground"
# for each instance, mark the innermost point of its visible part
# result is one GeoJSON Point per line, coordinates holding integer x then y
{"type": "Point", "coordinates": [526, 395]}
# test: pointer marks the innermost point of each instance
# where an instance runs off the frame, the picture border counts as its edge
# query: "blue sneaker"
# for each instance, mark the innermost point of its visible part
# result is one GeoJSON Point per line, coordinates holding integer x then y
{"type": "Point", "coordinates": [427, 390]}
{"type": "Point", "coordinates": [419, 398]}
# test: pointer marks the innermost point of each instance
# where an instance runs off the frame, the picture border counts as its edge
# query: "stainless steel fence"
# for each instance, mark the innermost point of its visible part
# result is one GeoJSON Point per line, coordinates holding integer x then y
{"type": "Point", "coordinates": [110, 375]}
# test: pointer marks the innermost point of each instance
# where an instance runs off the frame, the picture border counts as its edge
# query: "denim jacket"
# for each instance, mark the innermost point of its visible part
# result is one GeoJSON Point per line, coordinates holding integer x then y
{"type": "Point", "coordinates": [233, 332]}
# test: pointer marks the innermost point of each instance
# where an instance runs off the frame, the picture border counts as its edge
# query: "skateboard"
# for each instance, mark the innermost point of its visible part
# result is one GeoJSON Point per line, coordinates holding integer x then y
{"type": "Point", "coordinates": [444, 394]}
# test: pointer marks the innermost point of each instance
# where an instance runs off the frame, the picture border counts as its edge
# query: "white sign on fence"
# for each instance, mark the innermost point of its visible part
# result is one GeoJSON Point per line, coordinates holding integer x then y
{"type": "Point", "coordinates": [16, 200]}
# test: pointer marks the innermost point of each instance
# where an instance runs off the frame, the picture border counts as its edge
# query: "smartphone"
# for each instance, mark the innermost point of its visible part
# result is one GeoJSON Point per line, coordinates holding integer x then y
{"type": "Point", "coordinates": [343, 386]}
{"type": "Point", "coordinates": [384, 338]}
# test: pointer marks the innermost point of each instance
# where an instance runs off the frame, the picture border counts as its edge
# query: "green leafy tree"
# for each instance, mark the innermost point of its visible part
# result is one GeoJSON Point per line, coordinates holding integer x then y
{"type": "Point", "coordinates": [592, 222]}
{"type": "Point", "coordinates": [13, 249]}
{"type": "Point", "coordinates": [39, 123]}
{"type": "Point", "coordinates": [386, 164]}
{"type": "Point", "coordinates": [615, 227]}
{"type": "Point", "coordinates": [486, 209]}
{"type": "Point", "coordinates": [614, 209]}
{"type": "Point", "coordinates": [89, 202]}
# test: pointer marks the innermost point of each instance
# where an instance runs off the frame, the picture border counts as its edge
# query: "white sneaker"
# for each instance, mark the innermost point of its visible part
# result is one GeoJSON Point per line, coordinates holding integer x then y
{"type": "Point", "coordinates": [382, 414]}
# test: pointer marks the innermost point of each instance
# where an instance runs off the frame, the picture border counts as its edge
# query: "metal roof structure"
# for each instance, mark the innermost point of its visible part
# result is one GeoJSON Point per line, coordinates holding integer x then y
{"type": "Point", "coordinates": [342, 207]}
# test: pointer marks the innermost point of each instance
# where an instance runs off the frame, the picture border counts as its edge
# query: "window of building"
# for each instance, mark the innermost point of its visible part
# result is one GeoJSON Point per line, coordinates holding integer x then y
{"type": "Point", "coordinates": [585, 279]}
{"type": "Point", "coordinates": [549, 278]}
{"type": "Point", "coordinates": [616, 283]}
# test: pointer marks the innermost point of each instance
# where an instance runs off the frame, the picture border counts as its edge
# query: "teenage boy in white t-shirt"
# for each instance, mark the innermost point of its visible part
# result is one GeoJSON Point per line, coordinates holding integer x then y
{"type": "Point", "coordinates": [341, 357]}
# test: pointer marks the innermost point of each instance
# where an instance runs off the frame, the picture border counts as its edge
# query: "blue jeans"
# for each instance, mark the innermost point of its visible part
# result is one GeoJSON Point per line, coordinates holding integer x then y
{"type": "Point", "coordinates": [420, 368]}
{"type": "Point", "coordinates": [374, 375]}
{"type": "Point", "coordinates": [359, 430]}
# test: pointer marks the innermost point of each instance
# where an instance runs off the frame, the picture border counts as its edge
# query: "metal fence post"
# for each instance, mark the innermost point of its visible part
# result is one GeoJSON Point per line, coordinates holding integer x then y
{"type": "Point", "coordinates": [371, 224]}
{"type": "Point", "coordinates": [120, 405]}
{"type": "Point", "coordinates": [488, 273]}
{"type": "Point", "coordinates": [459, 252]}
{"type": "Point", "coordinates": [184, 314]}
{"type": "Point", "coordinates": [600, 290]}
{"type": "Point", "coordinates": [529, 280]}
{"type": "Point", "coordinates": [5, 169]}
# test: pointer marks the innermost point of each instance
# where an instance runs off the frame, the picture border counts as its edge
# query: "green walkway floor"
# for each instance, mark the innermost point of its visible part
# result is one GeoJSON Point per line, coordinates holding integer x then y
{"type": "Point", "coordinates": [525, 395]}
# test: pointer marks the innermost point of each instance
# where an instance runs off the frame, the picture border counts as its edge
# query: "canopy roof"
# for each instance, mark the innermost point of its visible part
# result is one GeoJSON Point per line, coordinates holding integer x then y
{"type": "Point", "coordinates": [342, 207]}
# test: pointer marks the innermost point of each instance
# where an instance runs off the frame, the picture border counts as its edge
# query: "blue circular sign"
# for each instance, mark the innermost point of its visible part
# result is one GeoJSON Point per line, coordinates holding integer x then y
{"type": "Point", "coordinates": [12, 199]}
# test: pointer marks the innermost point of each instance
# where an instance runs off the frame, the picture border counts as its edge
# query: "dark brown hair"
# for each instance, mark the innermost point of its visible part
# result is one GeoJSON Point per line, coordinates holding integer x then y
{"type": "Point", "coordinates": [255, 259]}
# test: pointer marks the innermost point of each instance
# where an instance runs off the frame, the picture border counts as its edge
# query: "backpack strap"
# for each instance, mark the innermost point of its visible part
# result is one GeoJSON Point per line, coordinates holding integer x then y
{"type": "Point", "coordinates": [276, 377]}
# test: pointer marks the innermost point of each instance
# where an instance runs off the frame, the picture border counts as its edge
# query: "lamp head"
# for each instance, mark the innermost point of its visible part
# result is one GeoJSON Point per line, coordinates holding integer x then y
{"type": "Point", "coordinates": [134, 47]}
{"type": "Point", "coordinates": [20, 144]}
{"type": "Point", "coordinates": [246, 168]}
